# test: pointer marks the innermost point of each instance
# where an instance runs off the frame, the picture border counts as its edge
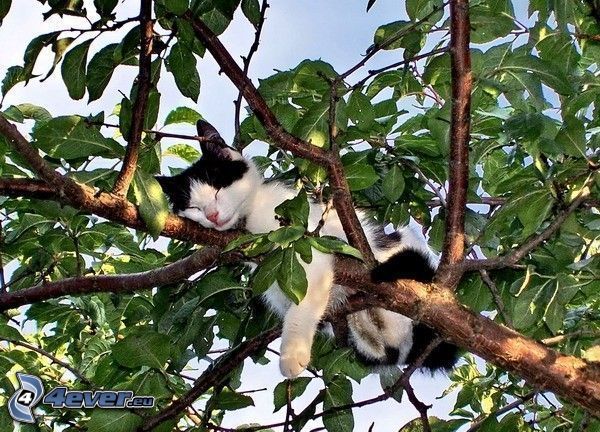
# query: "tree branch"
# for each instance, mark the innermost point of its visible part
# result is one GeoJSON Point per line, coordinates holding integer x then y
{"type": "Point", "coordinates": [144, 83]}
{"type": "Point", "coordinates": [107, 205]}
{"type": "Point", "coordinates": [506, 408]}
{"type": "Point", "coordinates": [213, 376]}
{"type": "Point", "coordinates": [46, 354]}
{"type": "Point", "coordinates": [247, 60]}
{"type": "Point", "coordinates": [437, 307]}
{"type": "Point", "coordinates": [31, 188]}
{"type": "Point", "coordinates": [454, 241]}
{"type": "Point", "coordinates": [534, 241]}
{"type": "Point", "coordinates": [177, 271]}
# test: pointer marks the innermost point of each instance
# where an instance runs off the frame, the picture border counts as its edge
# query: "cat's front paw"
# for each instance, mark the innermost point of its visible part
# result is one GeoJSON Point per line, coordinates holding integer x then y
{"type": "Point", "coordinates": [294, 359]}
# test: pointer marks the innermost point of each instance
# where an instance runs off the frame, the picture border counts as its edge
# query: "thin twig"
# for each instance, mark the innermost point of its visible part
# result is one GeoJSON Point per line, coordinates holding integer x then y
{"type": "Point", "coordinates": [534, 241]}
{"type": "Point", "coordinates": [45, 353]}
{"type": "Point", "coordinates": [372, 72]}
{"type": "Point", "coordinates": [376, 48]}
{"type": "Point", "coordinates": [246, 67]}
{"type": "Point", "coordinates": [496, 295]}
{"type": "Point", "coordinates": [506, 408]}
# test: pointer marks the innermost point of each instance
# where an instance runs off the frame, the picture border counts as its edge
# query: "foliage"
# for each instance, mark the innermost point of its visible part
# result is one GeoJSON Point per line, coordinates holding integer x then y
{"type": "Point", "coordinates": [534, 148]}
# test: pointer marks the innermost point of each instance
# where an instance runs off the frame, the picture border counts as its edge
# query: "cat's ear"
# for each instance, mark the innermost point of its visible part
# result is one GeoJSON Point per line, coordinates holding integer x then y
{"type": "Point", "coordinates": [215, 146]}
{"type": "Point", "coordinates": [169, 185]}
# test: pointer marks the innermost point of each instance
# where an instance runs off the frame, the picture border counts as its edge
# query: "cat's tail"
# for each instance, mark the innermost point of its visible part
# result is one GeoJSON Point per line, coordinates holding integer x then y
{"type": "Point", "coordinates": [381, 337]}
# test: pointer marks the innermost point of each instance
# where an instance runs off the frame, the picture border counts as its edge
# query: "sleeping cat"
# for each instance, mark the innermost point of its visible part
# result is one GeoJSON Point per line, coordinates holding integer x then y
{"type": "Point", "coordinates": [222, 190]}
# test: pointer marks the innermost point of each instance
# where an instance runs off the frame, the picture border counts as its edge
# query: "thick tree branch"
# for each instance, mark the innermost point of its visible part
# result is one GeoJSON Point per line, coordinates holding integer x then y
{"type": "Point", "coordinates": [454, 241]}
{"type": "Point", "coordinates": [259, 106]}
{"type": "Point", "coordinates": [213, 376]}
{"type": "Point", "coordinates": [141, 101]}
{"type": "Point", "coordinates": [107, 205]}
{"type": "Point", "coordinates": [30, 188]}
{"type": "Point", "coordinates": [542, 367]}
{"type": "Point", "coordinates": [126, 283]}
{"type": "Point", "coordinates": [286, 141]}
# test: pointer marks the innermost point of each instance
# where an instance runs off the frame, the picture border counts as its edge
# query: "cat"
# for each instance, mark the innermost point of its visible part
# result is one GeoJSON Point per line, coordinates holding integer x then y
{"type": "Point", "coordinates": [223, 190]}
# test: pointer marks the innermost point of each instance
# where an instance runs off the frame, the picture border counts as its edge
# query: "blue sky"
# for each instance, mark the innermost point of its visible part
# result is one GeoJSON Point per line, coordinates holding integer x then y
{"type": "Point", "coordinates": [335, 31]}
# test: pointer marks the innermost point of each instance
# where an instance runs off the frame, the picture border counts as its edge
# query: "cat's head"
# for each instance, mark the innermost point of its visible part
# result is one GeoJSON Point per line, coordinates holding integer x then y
{"type": "Point", "coordinates": [217, 189]}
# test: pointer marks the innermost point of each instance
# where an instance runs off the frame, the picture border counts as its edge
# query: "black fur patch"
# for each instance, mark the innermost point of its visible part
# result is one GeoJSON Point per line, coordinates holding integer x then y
{"type": "Point", "coordinates": [218, 172]}
{"type": "Point", "coordinates": [408, 264]}
{"type": "Point", "coordinates": [386, 241]}
{"type": "Point", "coordinates": [412, 264]}
{"type": "Point", "coordinates": [444, 356]}
{"type": "Point", "coordinates": [391, 357]}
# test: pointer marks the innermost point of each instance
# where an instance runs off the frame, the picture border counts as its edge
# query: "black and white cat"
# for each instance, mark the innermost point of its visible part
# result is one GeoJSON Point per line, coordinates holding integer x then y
{"type": "Point", "coordinates": [222, 190]}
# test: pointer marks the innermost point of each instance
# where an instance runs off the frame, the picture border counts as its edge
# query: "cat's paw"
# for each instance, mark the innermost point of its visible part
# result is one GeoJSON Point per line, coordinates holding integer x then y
{"type": "Point", "coordinates": [294, 360]}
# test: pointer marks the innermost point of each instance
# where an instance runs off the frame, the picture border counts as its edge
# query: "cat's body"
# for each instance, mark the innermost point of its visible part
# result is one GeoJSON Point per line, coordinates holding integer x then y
{"type": "Point", "coordinates": [222, 189]}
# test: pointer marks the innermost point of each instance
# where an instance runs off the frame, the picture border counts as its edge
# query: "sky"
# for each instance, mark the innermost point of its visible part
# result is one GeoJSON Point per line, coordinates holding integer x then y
{"type": "Point", "coordinates": [336, 31]}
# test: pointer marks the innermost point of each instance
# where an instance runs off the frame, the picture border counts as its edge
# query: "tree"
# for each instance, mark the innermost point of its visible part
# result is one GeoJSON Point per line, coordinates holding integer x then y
{"type": "Point", "coordinates": [498, 163]}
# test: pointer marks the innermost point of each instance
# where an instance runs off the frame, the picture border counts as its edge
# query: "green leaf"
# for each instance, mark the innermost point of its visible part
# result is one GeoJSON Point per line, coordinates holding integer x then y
{"type": "Point", "coordinates": [419, 9]}
{"type": "Point", "coordinates": [14, 75]}
{"type": "Point", "coordinates": [178, 7]}
{"type": "Point", "coordinates": [360, 110]}
{"type": "Point", "coordinates": [266, 274]}
{"type": "Point", "coordinates": [73, 70]}
{"type": "Point", "coordinates": [551, 76]}
{"type": "Point", "coordinates": [291, 276]}
{"type": "Point", "coordinates": [286, 235]}
{"type": "Point", "coordinates": [251, 10]}
{"type": "Point", "coordinates": [182, 64]}
{"type": "Point", "coordinates": [328, 244]}
{"type": "Point", "coordinates": [103, 420]}
{"type": "Point", "coordinates": [183, 115]}
{"type": "Point", "coordinates": [4, 8]}
{"type": "Point", "coordinates": [228, 400]}
{"type": "Point", "coordinates": [151, 201]}
{"type": "Point", "coordinates": [399, 34]}
{"type": "Point", "coordinates": [487, 25]}
{"type": "Point", "coordinates": [533, 208]}
{"type": "Point", "coordinates": [59, 46]}
{"type": "Point", "coordinates": [566, 287]}
{"type": "Point", "coordinates": [337, 393]}
{"type": "Point", "coordinates": [145, 347]}
{"type": "Point", "coordinates": [298, 386]}
{"type": "Point", "coordinates": [393, 184]}
{"type": "Point", "coordinates": [528, 306]}
{"type": "Point", "coordinates": [387, 379]}
{"type": "Point", "coordinates": [360, 176]}
{"type": "Point", "coordinates": [184, 151]}
{"type": "Point", "coordinates": [100, 70]}
{"type": "Point", "coordinates": [105, 7]}
{"type": "Point", "coordinates": [313, 126]}
{"type": "Point", "coordinates": [34, 48]}
{"type": "Point", "coordinates": [69, 137]}
{"type": "Point", "coordinates": [295, 210]}
{"type": "Point", "coordinates": [572, 137]}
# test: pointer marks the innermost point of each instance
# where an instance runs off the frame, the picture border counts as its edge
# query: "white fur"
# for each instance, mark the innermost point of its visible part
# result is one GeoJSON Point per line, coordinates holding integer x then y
{"type": "Point", "coordinates": [255, 200]}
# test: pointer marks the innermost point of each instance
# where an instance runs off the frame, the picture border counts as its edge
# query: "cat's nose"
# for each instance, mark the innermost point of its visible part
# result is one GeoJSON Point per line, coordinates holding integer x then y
{"type": "Point", "coordinates": [213, 217]}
